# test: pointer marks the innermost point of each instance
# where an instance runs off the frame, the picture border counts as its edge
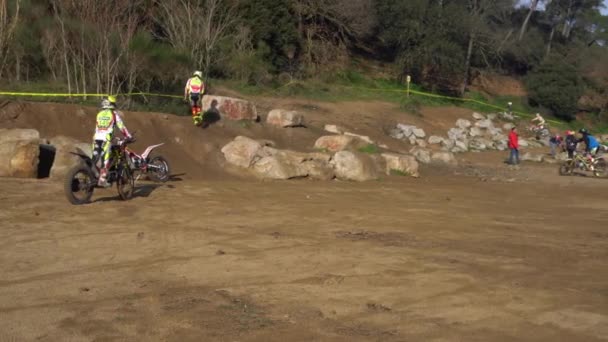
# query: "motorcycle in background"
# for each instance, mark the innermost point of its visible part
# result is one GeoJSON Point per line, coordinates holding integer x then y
{"type": "Point", "coordinates": [155, 168]}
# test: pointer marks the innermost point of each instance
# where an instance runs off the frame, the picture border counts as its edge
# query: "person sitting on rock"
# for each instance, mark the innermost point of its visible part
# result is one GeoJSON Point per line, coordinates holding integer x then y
{"type": "Point", "coordinates": [107, 121]}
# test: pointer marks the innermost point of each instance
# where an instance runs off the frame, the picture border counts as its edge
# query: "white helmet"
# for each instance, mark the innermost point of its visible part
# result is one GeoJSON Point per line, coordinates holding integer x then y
{"type": "Point", "coordinates": [106, 104]}
{"type": "Point", "coordinates": [198, 73]}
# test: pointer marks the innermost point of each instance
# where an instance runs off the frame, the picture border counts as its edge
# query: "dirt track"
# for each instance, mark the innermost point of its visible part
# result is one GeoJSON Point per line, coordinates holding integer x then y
{"type": "Point", "coordinates": [480, 253]}
{"type": "Point", "coordinates": [442, 258]}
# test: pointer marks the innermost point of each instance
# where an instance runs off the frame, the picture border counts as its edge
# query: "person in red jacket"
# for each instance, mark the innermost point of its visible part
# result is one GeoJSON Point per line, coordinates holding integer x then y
{"type": "Point", "coordinates": [514, 146]}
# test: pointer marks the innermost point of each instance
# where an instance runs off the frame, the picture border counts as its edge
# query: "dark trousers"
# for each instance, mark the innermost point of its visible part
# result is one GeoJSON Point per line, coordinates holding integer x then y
{"type": "Point", "coordinates": [514, 157]}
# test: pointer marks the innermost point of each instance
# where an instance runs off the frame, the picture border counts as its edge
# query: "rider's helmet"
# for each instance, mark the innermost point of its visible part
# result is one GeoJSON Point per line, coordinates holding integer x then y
{"type": "Point", "coordinates": [583, 131]}
{"type": "Point", "coordinates": [569, 132]}
{"type": "Point", "coordinates": [198, 74]}
{"type": "Point", "coordinates": [106, 104]}
{"type": "Point", "coordinates": [112, 100]}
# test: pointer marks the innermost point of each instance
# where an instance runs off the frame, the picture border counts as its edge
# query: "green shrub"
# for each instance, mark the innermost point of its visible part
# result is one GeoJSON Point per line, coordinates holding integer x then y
{"type": "Point", "coordinates": [557, 86]}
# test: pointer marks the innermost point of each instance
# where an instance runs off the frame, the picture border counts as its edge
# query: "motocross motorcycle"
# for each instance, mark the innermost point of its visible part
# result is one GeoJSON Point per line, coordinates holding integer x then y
{"type": "Point", "coordinates": [155, 168]}
{"type": "Point", "coordinates": [82, 179]}
{"type": "Point", "coordinates": [599, 167]}
{"type": "Point", "coordinates": [540, 132]}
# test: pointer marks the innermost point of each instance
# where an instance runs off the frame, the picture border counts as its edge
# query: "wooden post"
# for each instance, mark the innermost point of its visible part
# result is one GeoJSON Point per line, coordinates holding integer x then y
{"type": "Point", "coordinates": [408, 80]}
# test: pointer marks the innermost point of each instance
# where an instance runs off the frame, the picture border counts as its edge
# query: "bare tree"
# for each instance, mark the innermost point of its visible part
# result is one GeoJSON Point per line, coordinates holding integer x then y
{"type": "Point", "coordinates": [8, 25]}
{"type": "Point", "coordinates": [524, 26]}
{"type": "Point", "coordinates": [197, 27]}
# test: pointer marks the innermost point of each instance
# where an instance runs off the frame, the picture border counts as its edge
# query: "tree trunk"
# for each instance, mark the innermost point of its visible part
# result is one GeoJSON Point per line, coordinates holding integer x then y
{"type": "Point", "coordinates": [522, 31]}
{"type": "Point", "coordinates": [550, 41]}
{"type": "Point", "coordinates": [467, 63]}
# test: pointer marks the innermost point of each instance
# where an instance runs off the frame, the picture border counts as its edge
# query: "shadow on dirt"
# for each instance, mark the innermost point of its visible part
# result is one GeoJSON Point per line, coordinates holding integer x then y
{"type": "Point", "coordinates": [141, 190]}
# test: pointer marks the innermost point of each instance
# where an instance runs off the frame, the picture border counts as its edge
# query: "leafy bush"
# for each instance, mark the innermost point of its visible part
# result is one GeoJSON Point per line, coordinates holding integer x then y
{"type": "Point", "coordinates": [557, 86]}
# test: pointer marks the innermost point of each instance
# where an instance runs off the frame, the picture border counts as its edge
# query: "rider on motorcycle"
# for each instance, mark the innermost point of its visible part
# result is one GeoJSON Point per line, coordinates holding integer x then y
{"type": "Point", "coordinates": [193, 91]}
{"type": "Point", "coordinates": [540, 119]}
{"type": "Point", "coordinates": [591, 145]}
{"type": "Point", "coordinates": [108, 119]}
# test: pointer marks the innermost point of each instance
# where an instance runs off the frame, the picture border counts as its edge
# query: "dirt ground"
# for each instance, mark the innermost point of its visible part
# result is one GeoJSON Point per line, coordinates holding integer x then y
{"type": "Point", "coordinates": [481, 252]}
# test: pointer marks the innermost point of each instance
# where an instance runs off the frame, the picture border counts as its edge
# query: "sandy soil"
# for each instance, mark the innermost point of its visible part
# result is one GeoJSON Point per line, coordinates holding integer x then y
{"type": "Point", "coordinates": [477, 253]}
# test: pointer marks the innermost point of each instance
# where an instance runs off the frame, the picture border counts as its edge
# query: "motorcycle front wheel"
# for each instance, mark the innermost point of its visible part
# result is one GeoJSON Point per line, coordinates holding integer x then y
{"type": "Point", "coordinates": [158, 169]}
{"type": "Point", "coordinates": [79, 185]}
{"type": "Point", "coordinates": [566, 168]}
{"type": "Point", "coordinates": [600, 168]}
{"type": "Point", "coordinates": [125, 183]}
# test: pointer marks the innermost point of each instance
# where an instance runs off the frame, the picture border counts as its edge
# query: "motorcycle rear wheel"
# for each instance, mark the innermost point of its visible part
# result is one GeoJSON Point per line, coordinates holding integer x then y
{"type": "Point", "coordinates": [160, 172]}
{"type": "Point", "coordinates": [79, 185]}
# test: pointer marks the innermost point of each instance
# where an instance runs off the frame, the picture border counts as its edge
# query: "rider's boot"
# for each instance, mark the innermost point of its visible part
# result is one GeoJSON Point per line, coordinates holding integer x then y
{"type": "Point", "coordinates": [103, 182]}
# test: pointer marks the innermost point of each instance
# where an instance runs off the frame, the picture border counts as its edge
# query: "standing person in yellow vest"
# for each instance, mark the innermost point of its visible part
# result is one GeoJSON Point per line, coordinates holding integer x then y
{"type": "Point", "coordinates": [106, 122]}
{"type": "Point", "coordinates": [193, 92]}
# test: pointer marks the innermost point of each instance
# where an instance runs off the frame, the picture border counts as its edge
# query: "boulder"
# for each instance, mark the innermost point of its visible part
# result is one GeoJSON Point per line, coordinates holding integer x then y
{"type": "Point", "coordinates": [563, 156]}
{"type": "Point", "coordinates": [62, 158]}
{"type": "Point", "coordinates": [463, 124]}
{"type": "Point", "coordinates": [335, 143]}
{"type": "Point", "coordinates": [354, 166]}
{"type": "Point", "coordinates": [285, 164]}
{"type": "Point", "coordinates": [421, 143]}
{"type": "Point", "coordinates": [419, 133]}
{"type": "Point", "coordinates": [501, 145]}
{"type": "Point", "coordinates": [487, 124]}
{"type": "Point", "coordinates": [285, 118]}
{"type": "Point", "coordinates": [396, 133]}
{"type": "Point", "coordinates": [444, 158]}
{"type": "Point", "coordinates": [460, 146]}
{"type": "Point", "coordinates": [24, 162]}
{"type": "Point", "coordinates": [362, 137]}
{"type": "Point", "coordinates": [475, 132]}
{"type": "Point", "coordinates": [242, 151]}
{"type": "Point", "coordinates": [523, 143]}
{"type": "Point", "coordinates": [422, 155]}
{"type": "Point", "coordinates": [508, 126]}
{"type": "Point", "coordinates": [456, 133]}
{"type": "Point", "coordinates": [478, 116]}
{"type": "Point", "coordinates": [448, 143]}
{"type": "Point", "coordinates": [412, 139]}
{"type": "Point", "coordinates": [532, 157]}
{"type": "Point", "coordinates": [335, 129]}
{"type": "Point", "coordinates": [401, 163]}
{"type": "Point", "coordinates": [491, 116]}
{"type": "Point", "coordinates": [229, 108]}
{"type": "Point", "coordinates": [19, 153]}
{"type": "Point", "coordinates": [434, 140]}
{"type": "Point", "coordinates": [499, 137]}
{"type": "Point", "coordinates": [477, 145]}
{"type": "Point", "coordinates": [13, 135]}
{"type": "Point", "coordinates": [407, 130]}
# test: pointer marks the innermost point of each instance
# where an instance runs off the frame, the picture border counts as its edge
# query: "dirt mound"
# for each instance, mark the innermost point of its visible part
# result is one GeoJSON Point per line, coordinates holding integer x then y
{"type": "Point", "coordinates": [498, 85]}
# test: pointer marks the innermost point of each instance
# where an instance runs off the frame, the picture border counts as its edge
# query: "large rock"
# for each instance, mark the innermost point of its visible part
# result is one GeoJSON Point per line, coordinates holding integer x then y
{"type": "Point", "coordinates": [460, 146]}
{"type": "Point", "coordinates": [463, 124]}
{"type": "Point", "coordinates": [523, 143]}
{"type": "Point", "coordinates": [475, 132]}
{"type": "Point", "coordinates": [448, 143]}
{"type": "Point", "coordinates": [242, 151]}
{"type": "Point", "coordinates": [335, 143]}
{"type": "Point", "coordinates": [362, 137]}
{"type": "Point", "coordinates": [422, 155]}
{"type": "Point", "coordinates": [487, 124]}
{"type": "Point", "coordinates": [12, 135]}
{"type": "Point", "coordinates": [407, 130]}
{"type": "Point", "coordinates": [501, 145]}
{"type": "Point", "coordinates": [434, 140]}
{"type": "Point", "coordinates": [354, 166]}
{"type": "Point", "coordinates": [419, 133]}
{"type": "Point", "coordinates": [335, 129]}
{"type": "Point", "coordinates": [24, 162]}
{"type": "Point", "coordinates": [401, 163]}
{"type": "Point", "coordinates": [285, 118]}
{"type": "Point", "coordinates": [456, 133]}
{"type": "Point", "coordinates": [477, 145]}
{"type": "Point", "coordinates": [285, 164]}
{"type": "Point", "coordinates": [62, 158]}
{"type": "Point", "coordinates": [508, 126]}
{"type": "Point", "coordinates": [229, 108]}
{"type": "Point", "coordinates": [478, 116]}
{"type": "Point", "coordinates": [19, 153]}
{"type": "Point", "coordinates": [444, 158]}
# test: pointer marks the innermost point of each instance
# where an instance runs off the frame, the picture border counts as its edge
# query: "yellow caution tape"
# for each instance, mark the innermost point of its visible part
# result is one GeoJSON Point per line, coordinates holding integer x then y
{"type": "Point", "coordinates": [415, 92]}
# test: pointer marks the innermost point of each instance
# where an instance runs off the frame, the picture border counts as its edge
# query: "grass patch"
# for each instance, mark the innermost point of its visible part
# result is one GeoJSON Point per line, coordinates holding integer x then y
{"type": "Point", "coordinates": [394, 172]}
{"type": "Point", "coordinates": [370, 149]}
